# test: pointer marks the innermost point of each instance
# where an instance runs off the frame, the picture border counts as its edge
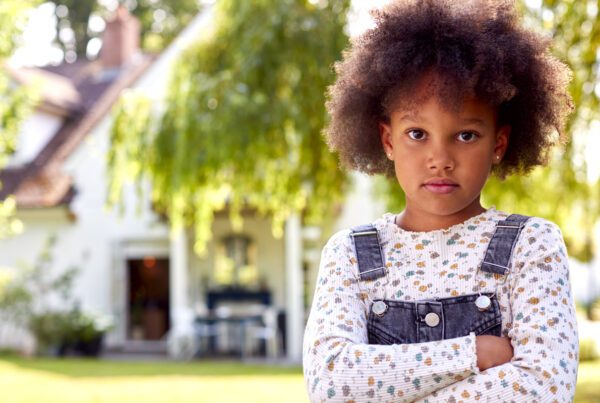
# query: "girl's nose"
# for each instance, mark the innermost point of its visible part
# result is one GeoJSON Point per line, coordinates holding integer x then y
{"type": "Point", "coordinates": [440, 159]}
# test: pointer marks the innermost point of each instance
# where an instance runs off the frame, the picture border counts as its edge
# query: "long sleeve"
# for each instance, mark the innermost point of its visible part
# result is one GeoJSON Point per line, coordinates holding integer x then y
{"type": "Point", "coordinates": [543, 331]}
{"type": "Point", "coordinates": [340, 365]}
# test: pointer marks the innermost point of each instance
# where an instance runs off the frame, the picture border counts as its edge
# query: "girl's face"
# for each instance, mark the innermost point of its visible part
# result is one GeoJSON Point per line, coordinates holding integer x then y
{"type": "Point", "coordinates": [442, 159]}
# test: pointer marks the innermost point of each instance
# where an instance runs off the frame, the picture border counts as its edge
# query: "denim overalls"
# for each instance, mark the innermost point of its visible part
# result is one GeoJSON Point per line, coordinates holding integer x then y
{"type": "Point", "coordinates": [401, 322]}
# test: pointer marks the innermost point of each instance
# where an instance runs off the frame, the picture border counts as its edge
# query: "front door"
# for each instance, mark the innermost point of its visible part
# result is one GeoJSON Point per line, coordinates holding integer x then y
{"type": "Point", "coordinates": [148, 298]}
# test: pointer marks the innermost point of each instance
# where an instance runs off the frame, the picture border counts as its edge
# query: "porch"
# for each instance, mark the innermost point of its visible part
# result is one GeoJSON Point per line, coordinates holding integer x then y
{"type": "Point", "coordinates": [247, 298]}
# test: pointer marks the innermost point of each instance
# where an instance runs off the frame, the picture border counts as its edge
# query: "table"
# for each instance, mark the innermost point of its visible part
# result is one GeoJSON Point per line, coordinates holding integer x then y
{"type": "Point", "coordinates": [212, 321]}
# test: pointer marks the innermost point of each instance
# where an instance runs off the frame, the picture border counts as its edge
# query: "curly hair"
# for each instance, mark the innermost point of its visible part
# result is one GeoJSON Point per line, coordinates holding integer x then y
{"type": "Point", "coordinates": [478, 48]}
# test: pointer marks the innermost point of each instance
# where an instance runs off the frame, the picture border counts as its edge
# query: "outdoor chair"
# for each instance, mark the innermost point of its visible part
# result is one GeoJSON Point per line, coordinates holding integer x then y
{"type": "Point", "coordinates": [267, 332]}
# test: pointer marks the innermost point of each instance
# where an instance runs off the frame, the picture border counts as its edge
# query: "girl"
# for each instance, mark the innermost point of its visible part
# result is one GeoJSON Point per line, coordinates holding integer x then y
{"type": "Point", "coordinates": [446, 301]}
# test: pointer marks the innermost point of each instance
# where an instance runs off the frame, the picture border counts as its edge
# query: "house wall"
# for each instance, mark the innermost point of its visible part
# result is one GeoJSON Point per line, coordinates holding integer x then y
{"type": "Point", "coordinates": [110, 236]}
{"type": "Point", "coordinates": [269, 254]}
{"type": "Point", "coordinates": [95, 239]}
{"type": "Point", "coordinates": [22, 251]}
{"type": "Point", "coordinates": [36, 130]}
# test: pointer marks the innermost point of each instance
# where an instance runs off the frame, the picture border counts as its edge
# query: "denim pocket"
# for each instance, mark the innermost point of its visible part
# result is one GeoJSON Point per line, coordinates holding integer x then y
{"type": "Point", "coordinates": [396, 326]}
{"type": "Point", "coordinates": [463, 317]}
{"type": "Point", "coordinates": [405, 322]}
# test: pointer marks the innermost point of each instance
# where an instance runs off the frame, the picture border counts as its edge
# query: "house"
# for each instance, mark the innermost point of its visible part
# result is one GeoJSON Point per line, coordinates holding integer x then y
{"type": "Point", "coordinates": [132, 265]}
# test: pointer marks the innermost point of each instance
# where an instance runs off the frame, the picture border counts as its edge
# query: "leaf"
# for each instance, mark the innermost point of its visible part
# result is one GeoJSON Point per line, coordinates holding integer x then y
{"type": "Point", "coordinates": [243, 120]}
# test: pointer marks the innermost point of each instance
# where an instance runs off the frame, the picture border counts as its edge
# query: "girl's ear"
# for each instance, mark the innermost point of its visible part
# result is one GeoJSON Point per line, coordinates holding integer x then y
{"type": "Point", "coordinates": [502, 137]}
{"type": "Point", "coordinates": [385, 134]}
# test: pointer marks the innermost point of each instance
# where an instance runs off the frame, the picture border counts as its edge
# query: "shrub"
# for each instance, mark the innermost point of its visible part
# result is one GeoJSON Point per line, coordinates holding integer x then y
{"type": "Point", "coordinates": [588, 350]}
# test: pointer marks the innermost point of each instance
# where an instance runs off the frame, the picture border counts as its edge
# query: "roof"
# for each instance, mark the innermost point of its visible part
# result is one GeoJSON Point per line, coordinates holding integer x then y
{"type": "Point", "coordinates": [83, 93]}
{"type": "Point", "coordinates": [58, 94]}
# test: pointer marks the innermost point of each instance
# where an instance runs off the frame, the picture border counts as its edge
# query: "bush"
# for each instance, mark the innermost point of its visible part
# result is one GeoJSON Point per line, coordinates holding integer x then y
{"type": "Point", "coordinates": [69, 332]}
{"type": "Point", "coordinates": [588, 350]}
{"type": "Point", "coordinates": [595, 310]}
{"type": "Point", "coordinates": [50, 329]}
{"type": "Point", "coordinates": [25, 301]}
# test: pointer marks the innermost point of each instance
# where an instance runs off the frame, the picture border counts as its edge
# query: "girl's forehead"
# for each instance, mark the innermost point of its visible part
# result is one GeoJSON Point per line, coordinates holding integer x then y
{"type": "Point", "coordinates": [449, 92]}
{"type": "Point", "coordinates": [468, 110]}
{"type": "Point", "coordinates": [411, 94]}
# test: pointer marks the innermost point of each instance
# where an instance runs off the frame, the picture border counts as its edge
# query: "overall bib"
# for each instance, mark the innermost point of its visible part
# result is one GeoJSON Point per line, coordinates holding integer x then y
{"type": "Point", "coordinates": [401, 322]}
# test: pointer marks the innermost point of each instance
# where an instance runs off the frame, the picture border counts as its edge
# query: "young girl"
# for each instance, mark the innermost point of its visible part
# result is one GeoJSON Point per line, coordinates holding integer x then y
{"type": "Point", "coordinates": [446, 301]}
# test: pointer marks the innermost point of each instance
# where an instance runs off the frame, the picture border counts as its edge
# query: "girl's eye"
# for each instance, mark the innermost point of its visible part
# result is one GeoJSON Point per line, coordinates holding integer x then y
{"type": "Point", "coordinates": [467, 137]}
{"type": "Point", "coordinates": [415, 134]}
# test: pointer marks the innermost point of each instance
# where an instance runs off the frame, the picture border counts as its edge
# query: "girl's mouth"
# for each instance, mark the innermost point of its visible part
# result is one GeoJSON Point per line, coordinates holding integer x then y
{"type": "Point", "coordinates": [440, 186]}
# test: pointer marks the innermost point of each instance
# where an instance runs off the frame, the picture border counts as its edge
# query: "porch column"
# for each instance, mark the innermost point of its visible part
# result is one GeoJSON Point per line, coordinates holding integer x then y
{"type": "Point", "coordinates": [180, 313]}
{"type": "Point", "coordinates": [294, 288]}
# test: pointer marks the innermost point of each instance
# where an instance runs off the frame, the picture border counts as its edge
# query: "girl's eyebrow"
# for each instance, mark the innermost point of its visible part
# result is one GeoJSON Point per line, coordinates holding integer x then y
{"type": "Point", "coordinates": [475, 121]}
{"type": "Point", "coordinates": [414, 117]}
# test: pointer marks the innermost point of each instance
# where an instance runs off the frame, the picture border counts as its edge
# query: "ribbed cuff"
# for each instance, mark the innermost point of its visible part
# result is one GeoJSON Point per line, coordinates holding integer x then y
{"type": "Point", "coordinates": [474, 367]}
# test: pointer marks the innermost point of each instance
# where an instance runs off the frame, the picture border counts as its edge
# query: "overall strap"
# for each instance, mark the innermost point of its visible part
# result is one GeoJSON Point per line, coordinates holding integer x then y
{"type": "Point", "coordinates": [502, 243]}
{"type": "Point", "coordinates": [368, 252]}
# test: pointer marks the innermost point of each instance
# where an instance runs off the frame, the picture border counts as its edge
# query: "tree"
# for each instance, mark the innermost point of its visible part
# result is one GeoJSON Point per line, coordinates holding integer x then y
{"type": "Point", "coordinates": [161, 20]}
{"type": "Point", "coordinates": [74, 15]}
{"type": "Point", "coordinates": [243, 119]}
{"type": "Point", "coordinates": [16, 101]}
{"type": "Point", "coordinates": [563, 192]}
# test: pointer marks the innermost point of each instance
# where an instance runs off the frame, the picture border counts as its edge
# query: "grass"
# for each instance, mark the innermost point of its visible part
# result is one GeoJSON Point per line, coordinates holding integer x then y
{"type": "Point", "coordinates": [588, 383]}
{"type": "Point", "coordinates": [79, 380]}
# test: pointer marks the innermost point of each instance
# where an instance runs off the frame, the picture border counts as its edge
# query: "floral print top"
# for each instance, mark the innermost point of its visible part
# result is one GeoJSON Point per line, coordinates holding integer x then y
{"type": "Point", "coordinates": [536, 304]}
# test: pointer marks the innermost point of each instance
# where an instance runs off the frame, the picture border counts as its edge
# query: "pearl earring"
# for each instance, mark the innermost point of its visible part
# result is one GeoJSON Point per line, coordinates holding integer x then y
{"type": "Point", "coordinates": [389, 155]}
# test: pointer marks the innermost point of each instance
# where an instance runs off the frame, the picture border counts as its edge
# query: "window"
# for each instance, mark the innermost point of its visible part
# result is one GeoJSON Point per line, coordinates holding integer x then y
{"type": "Point", "coordinates": [235, 262]}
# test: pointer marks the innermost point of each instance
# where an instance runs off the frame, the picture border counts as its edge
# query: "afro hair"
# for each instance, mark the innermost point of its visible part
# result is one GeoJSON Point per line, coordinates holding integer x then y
{"type": "Point", "coordinates": [479, 48]}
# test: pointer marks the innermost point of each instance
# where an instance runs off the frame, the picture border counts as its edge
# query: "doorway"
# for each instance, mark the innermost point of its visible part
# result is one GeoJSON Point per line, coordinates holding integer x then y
{"type": "Point", "coordinates": [148, 298]}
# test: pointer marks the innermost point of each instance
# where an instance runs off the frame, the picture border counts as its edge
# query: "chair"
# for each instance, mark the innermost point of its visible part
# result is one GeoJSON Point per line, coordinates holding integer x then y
{"type": "Point", "coordinates": [266, 331]}
{"type": "Point", "coordinates": [205, 334]}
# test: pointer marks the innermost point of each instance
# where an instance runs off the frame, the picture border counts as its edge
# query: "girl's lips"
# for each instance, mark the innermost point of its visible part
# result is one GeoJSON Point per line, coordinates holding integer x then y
{"type": "Point", "coordinates": [440, 188]}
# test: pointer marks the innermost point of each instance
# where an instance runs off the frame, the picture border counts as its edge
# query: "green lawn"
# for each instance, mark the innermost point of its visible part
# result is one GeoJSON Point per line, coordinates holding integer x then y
{"type": "Point", "coordinates": [588, 383]}
{"type": "Point", "coordinates": [76, 380]}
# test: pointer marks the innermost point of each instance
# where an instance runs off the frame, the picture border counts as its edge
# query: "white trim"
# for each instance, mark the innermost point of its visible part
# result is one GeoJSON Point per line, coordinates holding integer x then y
{"type": "Point", "coordinates": [125, 249]}
{"type": "Point", "coordinates": [294, 288]}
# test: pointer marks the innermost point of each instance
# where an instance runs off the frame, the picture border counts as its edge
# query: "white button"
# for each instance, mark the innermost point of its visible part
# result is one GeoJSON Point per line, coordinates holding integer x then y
{"type": "Point", "coordinates": [483, 302]}
{"type": "Point", "coordinates": [432, 319]}
{"type": "Point", "coordinates": [379, 308]}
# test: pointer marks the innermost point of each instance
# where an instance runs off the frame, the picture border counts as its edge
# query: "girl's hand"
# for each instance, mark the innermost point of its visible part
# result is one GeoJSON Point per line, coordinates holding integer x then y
{"type": "Point", "coordinates": [492, 351]}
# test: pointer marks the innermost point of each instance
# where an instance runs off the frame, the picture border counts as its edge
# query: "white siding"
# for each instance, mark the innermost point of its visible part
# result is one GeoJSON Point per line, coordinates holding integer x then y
{"type": "Point", "coordinates": [34, 135]}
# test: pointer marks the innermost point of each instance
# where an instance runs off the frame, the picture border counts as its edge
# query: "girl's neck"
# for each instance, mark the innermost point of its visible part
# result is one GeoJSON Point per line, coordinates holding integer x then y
{"type": "Point", "coordinates": [417, 220]}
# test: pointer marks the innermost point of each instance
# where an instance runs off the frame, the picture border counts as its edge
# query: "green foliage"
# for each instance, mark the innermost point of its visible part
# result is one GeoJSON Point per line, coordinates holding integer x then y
{"type": "Point", "coordinates": [62, 329]}
{"type": "Point", "coordinates": [563, 191]}
{"type": "Point", "coordinates": [243, 120]}
{"type": "Point", "coordinates": [161, 21]}
{"type": "Point", "coordinates": [26, 300]}
{"type": "Point", "coordinates": [17, 101]}
{"type": "Point", "coordinates": [588, 350]}
{"type": "Point", "coordinates": [12, 20]}
{"type": "Point", "coordinates": [594, 310]}
{"type": "Point", "coordinates": [76, 19]}
{"type": "Point", "coordinates": [30, 288]}
{"type": "Point", "coordinates": [9, 225]}
{"type": "Point", "coordinates": [49, 330]}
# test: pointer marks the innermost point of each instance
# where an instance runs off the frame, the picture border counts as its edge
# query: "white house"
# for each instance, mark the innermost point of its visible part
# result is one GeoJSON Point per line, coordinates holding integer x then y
{"type": "Point", "coordinates": [150, 282]}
